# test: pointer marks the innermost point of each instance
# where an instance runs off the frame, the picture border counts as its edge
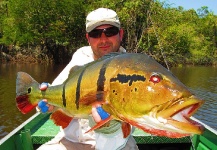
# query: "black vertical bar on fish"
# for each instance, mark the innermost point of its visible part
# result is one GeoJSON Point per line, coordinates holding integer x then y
{"type": "Point", "coordinates": [101, 80]}
{"type": "Point", "coordinates": [78, 89]}
{"type": "Point", "coordinates": [64, 95]}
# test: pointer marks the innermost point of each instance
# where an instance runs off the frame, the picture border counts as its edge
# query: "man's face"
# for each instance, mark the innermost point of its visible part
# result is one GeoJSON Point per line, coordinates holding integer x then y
{"type": "Point", "coordinates": [104, 44]}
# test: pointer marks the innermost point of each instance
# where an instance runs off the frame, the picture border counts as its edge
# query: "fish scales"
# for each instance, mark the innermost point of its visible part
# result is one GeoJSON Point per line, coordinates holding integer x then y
{"type": "Point", "coordinates": [133, 88]}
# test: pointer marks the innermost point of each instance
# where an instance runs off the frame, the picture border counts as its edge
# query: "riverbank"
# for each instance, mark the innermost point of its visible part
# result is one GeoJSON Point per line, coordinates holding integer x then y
{"type": "Point", "coordinates": [63, 55]}
{"type": "Point", "coordinates": [24, 56]}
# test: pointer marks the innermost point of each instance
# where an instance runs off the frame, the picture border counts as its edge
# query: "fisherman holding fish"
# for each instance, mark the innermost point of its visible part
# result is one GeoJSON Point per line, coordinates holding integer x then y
{"type": "Point", "coordinates": [109, 95]}
{"type": "Point", "coordinates": [104, 35]}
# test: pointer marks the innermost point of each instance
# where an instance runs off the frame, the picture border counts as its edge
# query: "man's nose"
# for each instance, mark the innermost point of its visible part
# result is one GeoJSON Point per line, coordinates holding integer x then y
{"type": "Point", "coordinates": [103, 37]}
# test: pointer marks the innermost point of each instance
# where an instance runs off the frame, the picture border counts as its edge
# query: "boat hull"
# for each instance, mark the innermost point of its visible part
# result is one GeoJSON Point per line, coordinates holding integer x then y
{"type": "Point", "coordinates": [34, 132]}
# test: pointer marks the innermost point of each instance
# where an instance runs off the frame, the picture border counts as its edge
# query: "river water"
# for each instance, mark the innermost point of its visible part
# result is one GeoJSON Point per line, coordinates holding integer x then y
{"type": "Point", "coordinates": [201, 80]}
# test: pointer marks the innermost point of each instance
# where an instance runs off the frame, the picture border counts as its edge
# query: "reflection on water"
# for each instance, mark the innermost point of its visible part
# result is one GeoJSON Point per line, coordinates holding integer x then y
{"type": "Point", "coordinates": [201, 80]}
{"type": "Point", "coordinates": [8, 111]}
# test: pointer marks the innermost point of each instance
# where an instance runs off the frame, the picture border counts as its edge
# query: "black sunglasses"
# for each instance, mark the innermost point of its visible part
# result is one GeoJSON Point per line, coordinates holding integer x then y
{"type": "Point", "coordinates": [96, 33]}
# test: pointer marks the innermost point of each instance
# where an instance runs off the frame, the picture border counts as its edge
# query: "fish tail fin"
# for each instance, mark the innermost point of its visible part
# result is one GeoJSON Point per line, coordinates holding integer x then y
{"type": "Point", "coordinates": [60, 118]}
{"type": "Point", "coordinates": [24, 84]}
{"type": "Point", "coordinates": [23, 104]}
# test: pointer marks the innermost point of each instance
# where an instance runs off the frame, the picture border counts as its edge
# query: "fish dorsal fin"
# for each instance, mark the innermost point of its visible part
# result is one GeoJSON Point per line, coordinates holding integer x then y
{"type": "Point", "coordinates": [79, 68]}
{"type": "Point", "coordinates": [74, 69]}
{"type": "Point", "coordinates": [109, 55]}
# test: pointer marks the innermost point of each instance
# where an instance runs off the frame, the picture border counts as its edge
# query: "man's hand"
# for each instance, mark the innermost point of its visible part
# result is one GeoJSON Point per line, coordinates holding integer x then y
{"type": "Point", "coordinates": [43, 105]}
{"type": "Point", "coordinates": [44, 86]}
{"type": "Point", "coordinates": [99, 113]}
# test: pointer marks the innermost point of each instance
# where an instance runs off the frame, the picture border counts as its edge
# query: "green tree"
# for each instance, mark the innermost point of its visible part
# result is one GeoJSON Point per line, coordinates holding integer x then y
{"type": "Point", "coordinates": [152, 27]}
{"type": "Point", "coordinates": [52, 24]}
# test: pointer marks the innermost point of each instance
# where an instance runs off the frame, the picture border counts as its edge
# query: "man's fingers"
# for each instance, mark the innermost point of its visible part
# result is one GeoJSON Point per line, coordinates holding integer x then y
{"type": "Point", "coordinates": [103, 114]}
{"type": "Point", "coordinates": [44, 86]}
{"type": "Point", "coordinates": [95, 115]}
{"type": "Point", "coordinates": [99, 114]}
{"type": "Point", "coordinates": [51, 108]}
{"type": "Point", "coordinates": [43, 106]}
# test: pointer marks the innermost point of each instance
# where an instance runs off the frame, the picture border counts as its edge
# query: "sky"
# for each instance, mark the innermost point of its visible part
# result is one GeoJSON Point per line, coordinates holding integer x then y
{"type": "Point", "coordinates": [195, 4]}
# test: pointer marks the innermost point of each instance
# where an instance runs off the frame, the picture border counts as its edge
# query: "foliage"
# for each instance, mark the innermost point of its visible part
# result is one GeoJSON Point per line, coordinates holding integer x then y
{"type": "Point", "coordinates": [182, 36]}
{"type": "Point", "coordinates": [52, 24]}
{"type": "Point", "coordinates": [55, 29]}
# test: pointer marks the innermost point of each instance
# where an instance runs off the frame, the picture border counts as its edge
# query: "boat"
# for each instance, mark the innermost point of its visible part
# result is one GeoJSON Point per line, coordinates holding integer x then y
{"type": "Point", "coordinates": [39, 129]}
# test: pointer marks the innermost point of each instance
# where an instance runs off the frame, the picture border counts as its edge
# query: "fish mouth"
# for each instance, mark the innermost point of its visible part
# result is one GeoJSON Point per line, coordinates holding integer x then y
{"type": "Point", "coordinates": [178, 113]}
{"type": "Point", "coordinates": [23, 104]}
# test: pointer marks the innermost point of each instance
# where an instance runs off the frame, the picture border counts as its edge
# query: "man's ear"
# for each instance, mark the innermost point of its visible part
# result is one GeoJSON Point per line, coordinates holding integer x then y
{"type": "Point", "coordinates": [121, 33]}
{"type": "Point", "coordinates": [88, 38]}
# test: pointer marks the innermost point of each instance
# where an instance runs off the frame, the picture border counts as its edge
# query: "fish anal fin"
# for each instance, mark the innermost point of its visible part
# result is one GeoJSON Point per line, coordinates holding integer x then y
{"type": "Point", "coordinates": [126, 129]}
{"type": "Point", "coordinates": [100, 124]}
{"type": "Point", "coordinates": [60, 118]}
{"type": "Point", "coordinates": [90, 98]}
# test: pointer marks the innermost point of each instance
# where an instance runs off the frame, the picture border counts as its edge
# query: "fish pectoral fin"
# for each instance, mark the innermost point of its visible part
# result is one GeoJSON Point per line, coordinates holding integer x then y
{"type": "Point", "coordinates": [126, 129]}
{"type": "Point", "coordinates": [90, 98]}
{"type": "Point", "coordinates": [60, 118]}
{"type": "Point", "coordinates": [100, 124]}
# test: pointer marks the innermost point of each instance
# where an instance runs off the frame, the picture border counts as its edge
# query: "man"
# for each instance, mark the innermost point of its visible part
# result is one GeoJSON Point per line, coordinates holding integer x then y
{"type": "Point", "coordinates": [104, 35]}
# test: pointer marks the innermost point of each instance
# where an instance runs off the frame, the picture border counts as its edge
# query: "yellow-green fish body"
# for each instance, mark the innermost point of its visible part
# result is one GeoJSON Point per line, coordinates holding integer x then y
{"type": "Point", "coordinates": [133, 88]}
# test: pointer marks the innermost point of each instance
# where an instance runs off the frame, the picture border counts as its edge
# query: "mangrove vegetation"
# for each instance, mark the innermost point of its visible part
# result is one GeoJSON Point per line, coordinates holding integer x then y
{"type": "Point", "coordinates": [50, 31]}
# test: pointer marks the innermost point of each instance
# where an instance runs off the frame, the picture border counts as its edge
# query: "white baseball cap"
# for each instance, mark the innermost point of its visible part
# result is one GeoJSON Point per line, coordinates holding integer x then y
{"type": "Point", "coordinates": [102, 16]}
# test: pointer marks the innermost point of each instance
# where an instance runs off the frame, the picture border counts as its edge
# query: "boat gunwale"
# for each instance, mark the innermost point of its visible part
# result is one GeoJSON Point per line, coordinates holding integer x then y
{"type": "Point", "coordinates": [205, 125]}
{"type": "Point", "coordinates": [17, 129]}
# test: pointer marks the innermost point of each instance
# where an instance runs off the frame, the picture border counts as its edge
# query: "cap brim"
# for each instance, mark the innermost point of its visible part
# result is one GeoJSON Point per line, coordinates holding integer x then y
{"type": "Point", "coordinates": [99, 23]}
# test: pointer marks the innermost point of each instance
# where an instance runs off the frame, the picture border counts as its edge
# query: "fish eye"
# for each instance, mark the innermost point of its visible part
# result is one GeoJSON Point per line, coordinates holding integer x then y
{"type": "Point", "coordinates": [29, 90]}
{"type": "Point", "coordinates": [155, 78]}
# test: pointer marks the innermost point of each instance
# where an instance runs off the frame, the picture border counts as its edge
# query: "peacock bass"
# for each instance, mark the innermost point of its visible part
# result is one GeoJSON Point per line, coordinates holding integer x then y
{"type": "Point", "coordinates": [132, 88]}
